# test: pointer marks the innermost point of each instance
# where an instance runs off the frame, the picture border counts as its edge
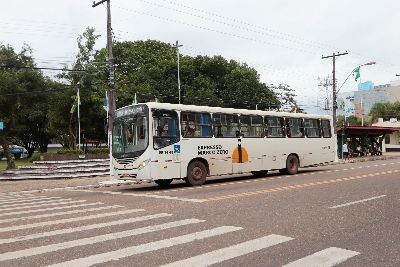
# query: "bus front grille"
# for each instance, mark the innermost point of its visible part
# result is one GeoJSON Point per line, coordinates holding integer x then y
{"type": "Point", "coordinates": [126, 160]}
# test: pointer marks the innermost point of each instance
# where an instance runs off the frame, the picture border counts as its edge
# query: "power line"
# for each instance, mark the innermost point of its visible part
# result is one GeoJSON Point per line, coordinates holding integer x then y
{"type": "Point", "coordinates": [39, 68]}
{"type": "Point", "coordinates": [219, 31]}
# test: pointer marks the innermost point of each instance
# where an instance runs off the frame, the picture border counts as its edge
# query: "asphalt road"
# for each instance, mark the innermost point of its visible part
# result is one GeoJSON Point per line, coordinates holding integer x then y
{"type": "Point", "coordinates": [345, 215]}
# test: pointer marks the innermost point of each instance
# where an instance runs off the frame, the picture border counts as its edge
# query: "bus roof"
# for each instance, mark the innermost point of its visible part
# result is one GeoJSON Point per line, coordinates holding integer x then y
{"type": "Point", "coordinates": [194, 108]}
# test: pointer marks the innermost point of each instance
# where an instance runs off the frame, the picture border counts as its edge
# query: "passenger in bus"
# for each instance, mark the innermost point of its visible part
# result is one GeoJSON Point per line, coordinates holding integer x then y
{"type": "Point", "coordinates": [163, 131]}
{"type": "Point", "coordinates": [189, 131]}
{"type": "Point", "coordinates": [219, 131]}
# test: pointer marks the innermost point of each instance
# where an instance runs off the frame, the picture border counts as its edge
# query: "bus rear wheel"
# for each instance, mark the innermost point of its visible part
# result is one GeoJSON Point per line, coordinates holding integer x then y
{"type": "Point", "coordinates": [196, 173]}
{"type": "Point", "coordinates": [292, 164]}
{"type": "Point", "coordinates": [163, 182]}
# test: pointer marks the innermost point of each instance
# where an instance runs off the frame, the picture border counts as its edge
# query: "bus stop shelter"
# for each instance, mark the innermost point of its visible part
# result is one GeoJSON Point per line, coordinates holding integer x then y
{"type": "Point", "coordinates": [363, 140]}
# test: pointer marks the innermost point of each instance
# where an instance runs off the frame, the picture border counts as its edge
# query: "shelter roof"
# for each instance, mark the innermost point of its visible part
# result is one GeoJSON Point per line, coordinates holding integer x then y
{"type": "Point", "coordinates": [373, 131]}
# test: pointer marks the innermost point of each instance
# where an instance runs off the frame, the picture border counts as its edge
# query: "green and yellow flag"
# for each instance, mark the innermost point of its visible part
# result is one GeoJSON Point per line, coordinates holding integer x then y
{"type": "Point", "coordinates": [75, 104]}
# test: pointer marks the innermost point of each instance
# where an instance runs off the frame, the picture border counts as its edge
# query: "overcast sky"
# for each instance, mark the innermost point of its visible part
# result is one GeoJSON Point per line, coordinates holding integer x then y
{"type": "Point", "coordinates": [283, 39]}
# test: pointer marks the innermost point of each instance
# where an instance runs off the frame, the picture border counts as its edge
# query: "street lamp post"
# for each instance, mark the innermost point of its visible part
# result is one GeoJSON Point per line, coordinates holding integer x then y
{"type": "Point", "coordinates": [334, 97]}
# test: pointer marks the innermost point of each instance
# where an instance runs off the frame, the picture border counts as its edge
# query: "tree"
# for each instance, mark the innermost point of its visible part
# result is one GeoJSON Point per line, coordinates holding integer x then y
{"type": "Point", "coordinates": [351, 120]}
{"type": "Point", "coordinates": [149, 70]}
{"type": "Point", "coordinates": [385, 111]}
{"type": "Point", "coordinates": [90, 76]}
{"type": "Point", "coordinates": [286, 97]}
{"type": "Point", "coordinates": [23, 105]}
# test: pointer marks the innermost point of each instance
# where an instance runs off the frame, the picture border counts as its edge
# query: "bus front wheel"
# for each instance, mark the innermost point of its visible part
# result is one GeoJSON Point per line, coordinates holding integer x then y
{"type": "Point", "coordinates": [163, 182]}
{"type": "Point", "coordinates": [292, 164]}
{"type": "Point", "coordinates": [196, 173]}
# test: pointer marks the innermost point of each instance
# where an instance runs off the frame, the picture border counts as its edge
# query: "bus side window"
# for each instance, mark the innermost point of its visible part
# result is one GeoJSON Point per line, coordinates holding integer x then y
{"type": "Point", "coordinates": [274, 127]}
{"type": "Point", "coordinates": [326, 128]}
{"type": "Point", "coordinates": [251, 126]}
{"type": "Point", "coordinates": [295, 128]}
{"type": "Point", "coordinates": [312, 128]}
{"type": "Point", "coordinates": [226, 125]}
{"type": "Point", "coordinates": [165, 128]}
{"type": "Point", "coordinates": [245, 126]}
{"type": "Point", "coordinates": [196, 124]}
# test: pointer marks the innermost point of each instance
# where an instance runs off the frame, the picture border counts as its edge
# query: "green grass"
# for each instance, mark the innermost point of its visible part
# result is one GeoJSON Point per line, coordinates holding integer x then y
{"type": "Point", "coordinates": [18, 162]}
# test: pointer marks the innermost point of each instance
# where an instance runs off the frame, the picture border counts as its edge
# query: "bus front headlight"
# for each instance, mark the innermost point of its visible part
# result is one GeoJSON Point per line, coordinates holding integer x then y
{"type": "Point", "coordinates": [144, 164]}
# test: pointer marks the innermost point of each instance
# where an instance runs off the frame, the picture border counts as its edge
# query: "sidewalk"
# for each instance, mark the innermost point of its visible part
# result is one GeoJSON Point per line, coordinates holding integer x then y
{"type": "Point", "coordinates": [386, 155]}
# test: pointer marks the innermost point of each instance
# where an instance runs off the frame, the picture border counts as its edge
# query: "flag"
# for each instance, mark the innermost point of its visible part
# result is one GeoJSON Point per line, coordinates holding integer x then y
{"type": "Point", "coordinates": [105, 104]}
{"type": "Point", "coordinates": [356, 72]}
{"type": "Point", "coordinates": [75, 104]}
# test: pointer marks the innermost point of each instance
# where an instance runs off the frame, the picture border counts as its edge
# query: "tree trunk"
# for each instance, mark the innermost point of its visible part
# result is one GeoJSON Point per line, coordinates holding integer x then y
{"type": "Point", "coordinates": [30, 151]}
{"type": "Point", "coordinates": [7, 152]}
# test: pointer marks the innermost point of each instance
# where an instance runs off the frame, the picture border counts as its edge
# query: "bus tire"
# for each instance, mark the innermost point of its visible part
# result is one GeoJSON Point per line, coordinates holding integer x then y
{"type": "Point", "coordinates": [196, 173]}
{"type": "Point", "coordinates": [292, 164]}
{"type": "Point", "coordinates": [259, 173]}
{"type": "Point", "coordinates": [163, 182]}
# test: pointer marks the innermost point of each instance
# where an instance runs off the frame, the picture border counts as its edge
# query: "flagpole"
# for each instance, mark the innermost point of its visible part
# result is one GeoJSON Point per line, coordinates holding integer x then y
{"type": "Point", "coordinates": [79, 120]}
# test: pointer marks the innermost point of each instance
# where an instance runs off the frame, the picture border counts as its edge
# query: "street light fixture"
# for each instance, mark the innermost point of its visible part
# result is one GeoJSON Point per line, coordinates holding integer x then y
{"type": "Point", "coordinates": [365, 64]}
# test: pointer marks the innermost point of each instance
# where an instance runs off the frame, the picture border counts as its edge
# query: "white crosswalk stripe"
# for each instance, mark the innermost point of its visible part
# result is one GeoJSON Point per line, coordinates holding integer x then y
{"type": "Point", "coordinates": [35, 203]}
{"type": "Point", "coordinates": [324, 258]}
{"type": "Point", "coordinates": [15, 200]}
{"type": "Point", "coordinates": [50, 209]}
{"type": "Point", "coordinates": [83, 228]}
{"type": "Point", "coordinates": [5, 196]}
{"type": "Point", "coordinates": [44, 204]}
{"type": "Point", "coordinates": [92, 240]}
{"type": "Point", "coordinates": [231, 252]}
{"type": "Point", "coordinates": [21, 202]}
{"type": "Point", "coordinates": [68, 220]}
{"type": "Point", "coordinates": [47, 215]}
{"type": "Point", "coordinates": [152, 246]}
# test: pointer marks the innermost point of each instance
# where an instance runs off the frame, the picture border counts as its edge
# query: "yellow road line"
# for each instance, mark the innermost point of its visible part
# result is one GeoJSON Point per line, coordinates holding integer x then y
{"type": "Point", "coordinates": [289, 187]}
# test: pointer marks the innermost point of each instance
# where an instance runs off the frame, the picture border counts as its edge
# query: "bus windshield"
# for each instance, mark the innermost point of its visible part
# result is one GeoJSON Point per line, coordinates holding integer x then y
{"type": "Point", "coordinates": [130, 136]}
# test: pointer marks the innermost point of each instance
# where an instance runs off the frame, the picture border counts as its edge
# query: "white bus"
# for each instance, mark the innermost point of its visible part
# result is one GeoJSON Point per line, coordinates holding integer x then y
{"type": "Point", "coordinates": [160, 142]}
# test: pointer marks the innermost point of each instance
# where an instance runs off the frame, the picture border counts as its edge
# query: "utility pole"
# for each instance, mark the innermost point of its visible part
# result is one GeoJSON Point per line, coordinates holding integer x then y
{"type": "Point", "coordinates": [176, 46]}
{"type": "Point", "coordinates": [111, 81]}
{"type": "Point", "coordinates": [334, 104]}
{"type": "Point", "coordinates": [326, 83]}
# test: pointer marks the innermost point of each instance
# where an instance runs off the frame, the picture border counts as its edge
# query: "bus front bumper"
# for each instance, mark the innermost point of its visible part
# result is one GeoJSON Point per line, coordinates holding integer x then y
{"type": "Point", "coordinates": [133, 175]}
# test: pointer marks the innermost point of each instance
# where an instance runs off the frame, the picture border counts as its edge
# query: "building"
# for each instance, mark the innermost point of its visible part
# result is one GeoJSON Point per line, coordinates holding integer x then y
{"type": "Point", "coordinates": [360, 102]}
{"type": "Point", "coordinates": [392, 141]}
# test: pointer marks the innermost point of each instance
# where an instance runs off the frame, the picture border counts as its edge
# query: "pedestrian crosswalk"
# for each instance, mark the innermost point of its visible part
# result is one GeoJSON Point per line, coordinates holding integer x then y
{"type": "Point", "coordinates": [54, 231]}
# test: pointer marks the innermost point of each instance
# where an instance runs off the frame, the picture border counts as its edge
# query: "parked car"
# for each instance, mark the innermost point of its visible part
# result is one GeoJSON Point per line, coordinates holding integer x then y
{"type": "Point", "coordinates": [18, 152]}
